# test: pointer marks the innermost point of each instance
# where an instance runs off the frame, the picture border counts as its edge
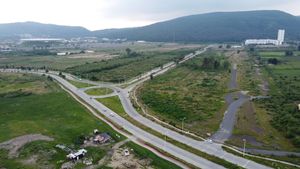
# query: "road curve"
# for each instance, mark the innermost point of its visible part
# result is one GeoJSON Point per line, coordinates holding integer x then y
{"type": "Point", "coordinates": [139, 133]}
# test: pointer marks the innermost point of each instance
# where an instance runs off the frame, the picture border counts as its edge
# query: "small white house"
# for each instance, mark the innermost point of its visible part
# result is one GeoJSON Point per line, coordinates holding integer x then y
{"type": "Point", "coordinates": [61, 54]}
{"type": "Point", "coordinates": [126, 152]}
{"type": "Point", "coordinates": [78, 155]}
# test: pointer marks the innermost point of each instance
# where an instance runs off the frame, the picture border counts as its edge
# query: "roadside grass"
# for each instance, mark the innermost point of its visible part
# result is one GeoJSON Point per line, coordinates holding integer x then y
{"type": "Point", "coordinates": [80, 84]}
{"type": "Point", "coordinates": [99, 91]}
{"type": "Point", "coordinates": [272, 164]}
{"type": "Point", "coordinates": [52, 113]}
{"type": "Point", "coordinates": [157, 162]}
{"type": "Point", "coordinates": [187, 94]}
{"type": "Point", "coordinates": [126, 67]}
{"type": "Point", "coordinates": [115, 104]}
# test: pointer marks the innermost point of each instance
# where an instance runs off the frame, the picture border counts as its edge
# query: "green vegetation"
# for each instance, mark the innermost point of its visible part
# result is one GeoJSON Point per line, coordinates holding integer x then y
{"type": "Point", "coordinates": [272, 164]}
{"type": "Point", "coordinates": [48, 110]}
{"type": "Point", "coordinates": [38, 111]}
{"type": "Point", "coordinates": [258, 121]}
{"type": "Point", "coordinates": [114, 104]}
{"type": "Point", "coordinates": [80, 84]}
{"type": "Point", "coordinates": [126, 67]}
{"type": "Point", "coordinates": [187, 93]}
{"type": "Point", "coordinates": [44, 61]}
{"type": "Point", "coordinates": [99, 91]}
{"type": "Point", "coordinates": [285, 97]}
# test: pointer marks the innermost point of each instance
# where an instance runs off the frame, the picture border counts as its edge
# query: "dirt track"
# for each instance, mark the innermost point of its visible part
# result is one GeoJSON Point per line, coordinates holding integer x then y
{"type": "Point", "coordinates": [15, 144]}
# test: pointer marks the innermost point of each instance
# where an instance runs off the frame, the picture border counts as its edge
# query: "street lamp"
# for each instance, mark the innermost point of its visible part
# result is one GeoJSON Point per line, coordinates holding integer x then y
{"type": "Point", "coordinates": [244, 140]}
{"type": "Point", "coordinates": [182, 120]}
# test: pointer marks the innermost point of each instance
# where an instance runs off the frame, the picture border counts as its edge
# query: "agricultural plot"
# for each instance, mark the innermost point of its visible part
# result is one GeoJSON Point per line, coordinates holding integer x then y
{"type": "Point", "coordinates": [192, 93]}
{"type": "Point", "coordinates": [126, 67]}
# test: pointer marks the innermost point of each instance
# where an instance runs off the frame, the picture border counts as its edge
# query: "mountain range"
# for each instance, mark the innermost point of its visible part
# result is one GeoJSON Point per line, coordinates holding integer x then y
{"type": "Point", "coordinates": [209, 27]}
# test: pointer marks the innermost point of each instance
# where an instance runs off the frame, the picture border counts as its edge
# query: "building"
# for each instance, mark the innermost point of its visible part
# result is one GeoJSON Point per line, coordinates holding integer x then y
{"type": "Point", "coordinates": [78, 155]}
{"type": "Point", "coordinates": [280, 36]}
{"type": "Point", "coordinates": [102, 138]}
{"type": "Point", "coordinates": [279, 41]}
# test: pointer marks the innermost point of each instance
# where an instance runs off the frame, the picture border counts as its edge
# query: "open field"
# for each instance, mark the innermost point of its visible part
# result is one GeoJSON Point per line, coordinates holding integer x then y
{"type": "Point", "coordinates": [52, 113]}
{"type": "Point", "coordinates": [126, 67]}
{"type": "Point", "coordinates": [187, 93]}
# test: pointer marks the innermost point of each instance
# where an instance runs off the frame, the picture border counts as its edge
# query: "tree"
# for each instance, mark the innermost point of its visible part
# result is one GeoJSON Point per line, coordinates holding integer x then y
{"type": "Point", "coordinates": [273, 61]}
{"type": "Point", "coordinates": [289, 53]}
{"type": "Point", "coordinates": [128, 51]}
{"type": "Point", "coordinates": [228, 46]}
{"type": "Point", "coordinates": [226, 64]}
{"type": "Point", "coordinates": [299, 48]}
{"type": "Point", "coordinates": [216, 64]}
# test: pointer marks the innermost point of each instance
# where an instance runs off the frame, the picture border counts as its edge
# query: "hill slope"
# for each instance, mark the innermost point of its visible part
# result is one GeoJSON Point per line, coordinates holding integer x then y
{"type": "Point", "coordinates": [41, 30]}
{"type": "Point", "coordinates": [210, 27]}
{"type": "Point", "coordinates": [214, 27]}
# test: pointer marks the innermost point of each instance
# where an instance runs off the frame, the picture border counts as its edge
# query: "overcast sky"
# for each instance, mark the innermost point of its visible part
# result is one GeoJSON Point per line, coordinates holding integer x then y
{"type": "Point", "coordinates": [101, 14]}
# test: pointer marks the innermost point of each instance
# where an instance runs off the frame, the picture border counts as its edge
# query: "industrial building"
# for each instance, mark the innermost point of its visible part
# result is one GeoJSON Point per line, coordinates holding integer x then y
{"type": "Point", "coordinates": [279, 41]}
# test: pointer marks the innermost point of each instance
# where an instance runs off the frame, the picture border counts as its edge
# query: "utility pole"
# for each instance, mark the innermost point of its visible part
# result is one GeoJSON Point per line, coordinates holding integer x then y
{"type": "Point", "coordinates": [182, 120]}
{"type": "Point", "coordinates": [244, 140]}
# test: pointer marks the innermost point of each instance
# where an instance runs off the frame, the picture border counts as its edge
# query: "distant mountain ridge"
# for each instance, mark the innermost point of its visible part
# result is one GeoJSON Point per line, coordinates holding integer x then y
{"type": "Point", "coordinates": [214, 27]}
{"type": "Point", "coordinates": [209, 27]}
{"type": "Point", "coordinates": [41, 30]}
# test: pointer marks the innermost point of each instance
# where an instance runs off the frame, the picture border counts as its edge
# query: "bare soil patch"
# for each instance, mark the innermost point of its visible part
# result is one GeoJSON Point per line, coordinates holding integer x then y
{"type": "Point", "coordinates": [15, 144]}
{"type": "Point", "coordinates": [120, 161]}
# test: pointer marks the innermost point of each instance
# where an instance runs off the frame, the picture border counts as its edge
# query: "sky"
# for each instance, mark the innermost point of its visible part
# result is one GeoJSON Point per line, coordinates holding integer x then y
{"type": "Point", "coordinates": [103, 14]}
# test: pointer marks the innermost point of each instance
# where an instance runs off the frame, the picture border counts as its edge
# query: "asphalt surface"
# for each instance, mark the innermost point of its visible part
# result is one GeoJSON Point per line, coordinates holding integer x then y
{"type": "Point", "coordinates": [227, 125]}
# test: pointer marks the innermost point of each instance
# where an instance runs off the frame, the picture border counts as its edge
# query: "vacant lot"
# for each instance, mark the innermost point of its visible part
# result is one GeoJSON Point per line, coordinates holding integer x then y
{"type": "Point", "coordinates": [193, 92]}
{"type": "Point", "coordinates": [126, 67]}
{"type": "Point", "coordinates": [270, 123]}
{"type": "Point", "coordinates": [24, 110]}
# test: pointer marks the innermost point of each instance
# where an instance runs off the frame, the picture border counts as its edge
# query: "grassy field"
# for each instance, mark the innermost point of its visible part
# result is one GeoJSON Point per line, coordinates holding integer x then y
{"type": "Point", "coordinates": [24, 109]}
{"type": "Point", "coordinates": [99, 91]}
{"type": "Point", "coordinates": [126, 67]}
{"type": "Point", "coordinates": [187, 92]}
